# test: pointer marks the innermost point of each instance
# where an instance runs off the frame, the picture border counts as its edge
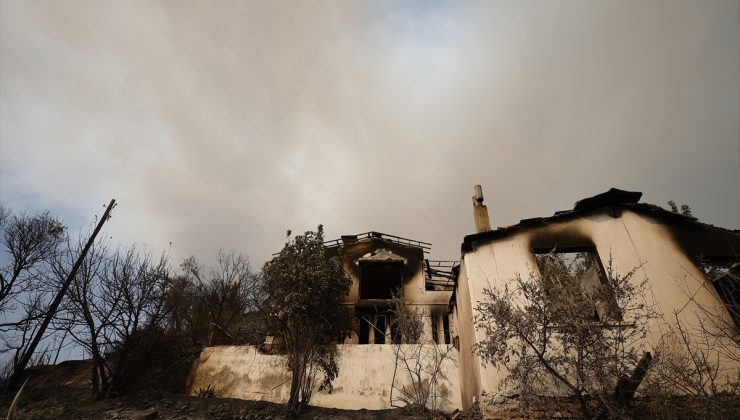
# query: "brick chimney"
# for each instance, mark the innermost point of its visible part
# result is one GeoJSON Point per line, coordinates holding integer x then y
{"type": "Point", "coordinates": [480, 211]}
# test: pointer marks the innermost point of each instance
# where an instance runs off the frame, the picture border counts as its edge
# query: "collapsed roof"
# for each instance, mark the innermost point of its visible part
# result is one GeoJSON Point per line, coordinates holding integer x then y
{"type": "Point", "coordinates": [613, 201]}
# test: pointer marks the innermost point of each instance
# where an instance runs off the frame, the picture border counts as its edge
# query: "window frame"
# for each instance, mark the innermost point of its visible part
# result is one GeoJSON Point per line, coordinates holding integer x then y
{"type": "Point", "coordinates": [733, 275]}
{"type": "Point", "coordinates": [617, 318]}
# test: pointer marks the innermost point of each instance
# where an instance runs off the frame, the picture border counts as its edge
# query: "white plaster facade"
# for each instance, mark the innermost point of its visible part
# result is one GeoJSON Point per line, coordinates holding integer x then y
{"type": "Point", "coordinates": [663, 245]}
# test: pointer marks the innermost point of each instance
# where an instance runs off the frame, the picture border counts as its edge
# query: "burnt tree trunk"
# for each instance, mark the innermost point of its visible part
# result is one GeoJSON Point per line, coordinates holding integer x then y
{"type": "Point", "coordinates": [626, 387]}
{"type": "Point", "coordinates": [293, 406]}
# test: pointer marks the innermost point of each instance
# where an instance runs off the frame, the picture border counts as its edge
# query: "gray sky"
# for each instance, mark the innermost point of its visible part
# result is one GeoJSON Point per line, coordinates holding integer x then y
{"type": "Point", "coordinates": [223, 124]}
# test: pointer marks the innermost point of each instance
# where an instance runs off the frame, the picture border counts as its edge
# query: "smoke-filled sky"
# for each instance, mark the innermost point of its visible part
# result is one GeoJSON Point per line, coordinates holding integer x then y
{"type": "Point", "coordinates": [223, 124]}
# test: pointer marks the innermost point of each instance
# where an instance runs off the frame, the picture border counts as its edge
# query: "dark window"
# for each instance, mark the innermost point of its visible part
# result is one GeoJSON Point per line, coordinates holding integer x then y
{"type": "Point", "coordinates": [435, 336]}
{"type": "Point", "coordinates": [364, 329]}
{"type": "Point", "coordinates": [380, 281]}
{"type": "Point", "coordinates": [725, 278]}
{"type": "Point", "coordinates": [377, 322]}
{"type": "Point", "coordinates": [380, 324]}
{"type": "Point", "coordinates": [582, 265]}
{"type": "Point", "coordinates": [445, 328]}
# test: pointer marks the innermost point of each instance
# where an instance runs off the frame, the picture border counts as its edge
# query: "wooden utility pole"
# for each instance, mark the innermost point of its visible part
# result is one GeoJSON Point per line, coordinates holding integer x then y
{"type": "Point", "coordinates": [18, 369]}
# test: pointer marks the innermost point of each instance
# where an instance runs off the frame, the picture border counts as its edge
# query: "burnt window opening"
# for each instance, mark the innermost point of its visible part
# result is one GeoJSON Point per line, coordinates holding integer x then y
{"type": "Point", "coordinates": [724, 274]}
{"type": "Point", "coordinates": [435, 333]}
{"type": "Point", "coordinates": [445, 331]}
{"type": "Point", "coordinates": [380, 329]}
{"type": "Point", "coordinates": [375, 327]}
{"type": "Point", "coordinates": [365, 325]}
{"type": "Point", "coordinates": [582, 265]}
{"type": "Point", "coordinates": [380, 281]}
{"type": "Point", "coordinates": [439, 274]}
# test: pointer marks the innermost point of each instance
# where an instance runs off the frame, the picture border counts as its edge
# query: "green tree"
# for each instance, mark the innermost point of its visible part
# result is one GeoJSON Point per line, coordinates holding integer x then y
{"type": "Point", "coordinates": [303, 285]}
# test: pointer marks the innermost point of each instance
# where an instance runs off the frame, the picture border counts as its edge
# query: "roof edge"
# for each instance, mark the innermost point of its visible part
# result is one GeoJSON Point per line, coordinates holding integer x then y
{"type": "Point", "coordinates": [612, 199]}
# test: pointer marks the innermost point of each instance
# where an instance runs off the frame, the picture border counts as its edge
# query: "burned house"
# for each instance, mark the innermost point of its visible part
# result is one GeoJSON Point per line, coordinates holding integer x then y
{"type": "Point", "coordinates": [691, 268]}
{"type": "Point", "coordinates": [385, 268]}
{"type": "Point", "coordinates": [687, 264]}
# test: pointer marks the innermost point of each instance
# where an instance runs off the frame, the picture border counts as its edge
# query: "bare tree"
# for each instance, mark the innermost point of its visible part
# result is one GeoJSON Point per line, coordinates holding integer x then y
{"type": "Point", "coordinates": [697, 366]}
{"type": "Point", "coordinates": [115, 301]}
{"type": "Point", "coordinates": [553, 336]}
{"type": "Point", "coordinates": [85, 314]}
{"type": "Point", "coordinates": [29, 242]}
{"type": "Point", "coordinates": [140, 283]}
{"type": "Point", "coordinates": [419, 379]}
{"type": "Point", "coordinates": [17, 335]}
{"type": "Point", "coordinates": [53, 306]}
{"type": "Point", "coordinates": [187, 317]}
{"type": "Point", "coordinates": [226, 292]}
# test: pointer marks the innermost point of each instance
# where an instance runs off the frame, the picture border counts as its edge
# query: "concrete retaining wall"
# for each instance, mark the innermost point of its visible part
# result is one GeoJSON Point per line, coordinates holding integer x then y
{"type": "Point", "coordinates": [365, 375]}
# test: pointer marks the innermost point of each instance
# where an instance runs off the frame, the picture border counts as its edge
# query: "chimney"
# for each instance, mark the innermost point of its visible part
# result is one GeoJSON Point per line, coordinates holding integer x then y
{"type": "Point", "coordinates": [480, 211]}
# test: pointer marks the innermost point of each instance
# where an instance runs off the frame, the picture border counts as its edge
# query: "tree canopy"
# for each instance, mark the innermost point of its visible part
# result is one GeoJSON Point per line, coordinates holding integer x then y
{"type": "Point", "coordinates": [304, 285]}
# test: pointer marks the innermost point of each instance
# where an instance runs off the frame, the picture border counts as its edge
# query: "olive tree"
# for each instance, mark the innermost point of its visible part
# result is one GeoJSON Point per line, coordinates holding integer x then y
{"type": "Point", "coordinates": [303, 286]}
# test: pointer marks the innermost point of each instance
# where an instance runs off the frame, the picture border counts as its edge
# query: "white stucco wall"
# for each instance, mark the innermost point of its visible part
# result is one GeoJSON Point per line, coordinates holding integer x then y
{"type": "Point", "coordinates": [364, 381]}
{"type": "Point", "coordinates": [468, 362]}
{"type": "Point", "coordinates": [632, 240]}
